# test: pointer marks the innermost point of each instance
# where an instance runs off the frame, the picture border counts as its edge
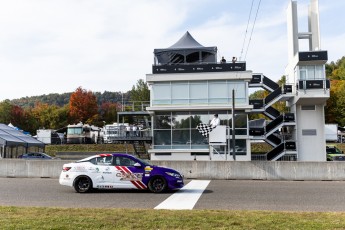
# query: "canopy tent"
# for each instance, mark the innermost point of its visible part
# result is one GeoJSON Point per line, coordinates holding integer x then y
{"type": "Point", "coordinates": [9, 140]}
{"type": "Point", "coordinates": [186, 50]}
{"type": "Point", "coordinates": [19, 137]}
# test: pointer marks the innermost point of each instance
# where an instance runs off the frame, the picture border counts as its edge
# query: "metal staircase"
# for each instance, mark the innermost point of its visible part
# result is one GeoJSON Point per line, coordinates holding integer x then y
{"type": "Point", "coordinates": [140, 150]}
{"type": "Point", "coordinates": [270, 133]}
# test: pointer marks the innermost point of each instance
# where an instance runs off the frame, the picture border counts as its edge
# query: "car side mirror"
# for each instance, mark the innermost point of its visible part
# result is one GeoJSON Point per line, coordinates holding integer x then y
{"type": "Point", "coordinates": [138, 165]}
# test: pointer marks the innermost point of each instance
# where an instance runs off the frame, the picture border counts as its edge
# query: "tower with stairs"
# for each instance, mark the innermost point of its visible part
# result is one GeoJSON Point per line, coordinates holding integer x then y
{"type": "Point", "coordinates": [306, 72]}
{"type": "Point", "coordinates": [305, 94]}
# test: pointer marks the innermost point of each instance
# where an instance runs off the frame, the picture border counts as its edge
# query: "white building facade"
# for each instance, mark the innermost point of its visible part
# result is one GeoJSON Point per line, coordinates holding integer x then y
{"type": "Point", "coordinates": [188, 87]}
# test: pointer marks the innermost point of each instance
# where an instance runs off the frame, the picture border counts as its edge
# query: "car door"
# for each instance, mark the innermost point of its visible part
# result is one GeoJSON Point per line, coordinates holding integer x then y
{"type": "Point", "coordinates": [127, 174]}
{"type": "Point", "coordinates": [105, 172]}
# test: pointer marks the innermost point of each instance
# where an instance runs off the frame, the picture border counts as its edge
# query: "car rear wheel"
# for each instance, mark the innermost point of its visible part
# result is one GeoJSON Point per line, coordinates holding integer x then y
{"type": "Point", "coordinates": [157, 184]}
{"type": "Point", "coordinates": [83, 184]}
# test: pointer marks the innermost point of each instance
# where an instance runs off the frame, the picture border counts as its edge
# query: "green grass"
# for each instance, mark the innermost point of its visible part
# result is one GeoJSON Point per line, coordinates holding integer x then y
{"type": "Point", "coordinates": [70, 218]}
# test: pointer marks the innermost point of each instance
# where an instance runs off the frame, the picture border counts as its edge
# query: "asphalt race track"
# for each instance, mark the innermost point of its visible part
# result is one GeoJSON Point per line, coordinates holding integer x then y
{"type": "Point", "coordinates": [218, 194]}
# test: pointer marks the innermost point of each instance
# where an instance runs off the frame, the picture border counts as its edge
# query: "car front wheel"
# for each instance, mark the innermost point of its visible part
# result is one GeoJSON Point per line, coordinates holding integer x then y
{"type": "Point", "coordinates": [157, 184]}
{"type": "Point", "coordinates": [83, 184]}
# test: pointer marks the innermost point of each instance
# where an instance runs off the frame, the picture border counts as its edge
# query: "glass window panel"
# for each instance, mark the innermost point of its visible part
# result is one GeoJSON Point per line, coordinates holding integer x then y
{"type": "Point", "coordinates": [199, 101]}
{"type": "Point", "coordinates": [180, 102]}
{"type": "Point", "coordinates": [161, 102]}
{"type": "Point", "coordinates": [181, 120]}
{"type": "Point", "coordinates": [218, 100]}
{"type": "Point", "coordinates": [302, 73]}
{"type": "Point", "coordinates": [162, 137]}
{"type": "Point", "coordinates": [162, 146]}
{"type": "Point", "coordinates": [240, 89]}
{"type": "Point", "coordinates": [319, 72]}
{"type": "Point", "coordinates": [162, 122]}
{"type": "Point", "coordinates": [199, 146]}
{"type": "Point", "coordinates": [181, 139]}
{"type": "Point", "coordinates": [198, 140]}
{"type": "Point", "coordinates": [179, 91]}
{"type": "Point", "coordinates": [198, 91]}
{"type": "Point", "coordinates": [310, 72]}
{"type": "Point", "coordinates": [240, 121]}
{"type": "Point", "coordinates": [199, 117]}
{"type": "Point", "coordinates": [240, 147]}
{"type": "Point", "coordinates": [161, 91]}
{"type": "Point", "coordinates": [217, 90]}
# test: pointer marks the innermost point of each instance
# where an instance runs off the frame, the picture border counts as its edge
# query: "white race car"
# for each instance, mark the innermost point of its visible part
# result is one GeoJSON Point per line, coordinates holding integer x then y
{"type": "Point", "coordinates": [115, 171]}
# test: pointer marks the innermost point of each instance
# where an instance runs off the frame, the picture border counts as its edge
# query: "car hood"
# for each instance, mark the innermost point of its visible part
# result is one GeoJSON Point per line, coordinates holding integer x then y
{"type": "Point", "coordinates": [165, 169]}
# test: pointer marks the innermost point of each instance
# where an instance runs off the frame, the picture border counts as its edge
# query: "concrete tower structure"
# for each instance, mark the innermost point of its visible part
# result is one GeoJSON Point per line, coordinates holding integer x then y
{"type": "Point", "coordinates": [306, 72]}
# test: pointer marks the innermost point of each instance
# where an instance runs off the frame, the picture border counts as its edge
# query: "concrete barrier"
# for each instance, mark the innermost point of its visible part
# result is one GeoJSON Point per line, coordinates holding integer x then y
{"type": "Point", "coordinates": [239, 170]}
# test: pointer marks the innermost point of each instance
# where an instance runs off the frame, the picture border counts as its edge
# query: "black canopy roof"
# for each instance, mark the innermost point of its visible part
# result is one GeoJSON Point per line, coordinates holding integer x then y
{"type": "Point", "coordinates": [186, 50]}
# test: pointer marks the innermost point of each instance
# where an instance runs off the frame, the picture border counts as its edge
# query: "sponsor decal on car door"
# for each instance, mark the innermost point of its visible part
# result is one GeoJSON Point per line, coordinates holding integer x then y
{"type": "Point", "coordinates": [127, 175]}
{"type": "Point", "coordinates": [130, 177]}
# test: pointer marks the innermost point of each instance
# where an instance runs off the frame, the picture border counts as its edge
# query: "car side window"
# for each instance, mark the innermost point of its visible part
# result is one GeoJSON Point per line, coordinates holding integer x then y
{"type": "Point", "coordinates": [105, 160]}
{"type": "Point", "coordinates": [124, 161]}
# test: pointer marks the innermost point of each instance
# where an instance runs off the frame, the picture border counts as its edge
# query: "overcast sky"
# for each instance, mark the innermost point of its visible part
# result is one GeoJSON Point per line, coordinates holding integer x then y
{"type": "Point", "coordinates": [55, 46]}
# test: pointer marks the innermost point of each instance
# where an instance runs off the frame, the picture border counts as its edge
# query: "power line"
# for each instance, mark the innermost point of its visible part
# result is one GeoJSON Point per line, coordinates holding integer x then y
{"type": "Point", "coordinates": [245, 35]}
{"type": "Point", "coordinates": [250, 38]}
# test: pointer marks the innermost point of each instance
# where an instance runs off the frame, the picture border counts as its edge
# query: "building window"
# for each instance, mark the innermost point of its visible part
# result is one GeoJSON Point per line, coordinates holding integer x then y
{"type": "Point", "coordinates": [177, 130]}
{"type": "Point", "coordinates": [179, 94]}
{"type": "Point", "coordinates": [312, 72]}
{"type": "Point", "coordinates": [198, 93]}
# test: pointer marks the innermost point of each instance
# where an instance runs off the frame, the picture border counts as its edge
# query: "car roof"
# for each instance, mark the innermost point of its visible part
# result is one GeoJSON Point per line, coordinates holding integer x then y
{"type": "Point", "coordinates": [114, 154]}
{"type": "Point", "coordinates": [105, 155]}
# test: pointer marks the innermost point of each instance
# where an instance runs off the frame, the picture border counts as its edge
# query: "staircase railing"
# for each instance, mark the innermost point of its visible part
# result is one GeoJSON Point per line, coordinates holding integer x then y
{"type": "Point", "coordinates": [287, 117]}
{"type": "Point", "coordinates": [274, 94]}
{"type": "Point", "coordinates": [288, 145]}
{"type": "Point", "coordinates": [271, 84]}
{"type": "Point", "coordinates": [272, 111]}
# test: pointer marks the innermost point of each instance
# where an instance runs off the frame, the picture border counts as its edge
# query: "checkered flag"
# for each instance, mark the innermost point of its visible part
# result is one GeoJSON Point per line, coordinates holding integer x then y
{"type": "Point", "coordinates": [204, 129]}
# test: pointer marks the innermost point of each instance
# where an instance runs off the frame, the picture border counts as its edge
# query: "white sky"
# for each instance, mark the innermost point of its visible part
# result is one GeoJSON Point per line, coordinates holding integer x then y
{"type": "Point", "coordinates": [55, 46]}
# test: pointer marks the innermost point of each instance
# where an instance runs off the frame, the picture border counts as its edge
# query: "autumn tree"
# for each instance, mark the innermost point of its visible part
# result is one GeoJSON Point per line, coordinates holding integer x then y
{"type": "Point", "coordinates": [108, 112]}
{"type": "Point", "coordinates": [50, 116]}
{"type": "Point", "coordinates": [335, 107]}
{"type": "Point", "coordinates": [336, 71]}
{"type": "Point", "coordinates": [16, 115]}
{"type": "Point", "coordinates": [83, 107]}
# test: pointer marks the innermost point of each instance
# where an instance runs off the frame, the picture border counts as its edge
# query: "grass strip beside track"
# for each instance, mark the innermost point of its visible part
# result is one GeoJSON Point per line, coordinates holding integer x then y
{"type": "Point", "coordinates": [87, 218]}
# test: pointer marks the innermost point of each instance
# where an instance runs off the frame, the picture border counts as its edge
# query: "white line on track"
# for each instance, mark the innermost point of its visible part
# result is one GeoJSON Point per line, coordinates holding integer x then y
{"type": "Point", "coordinates": [186, 197]}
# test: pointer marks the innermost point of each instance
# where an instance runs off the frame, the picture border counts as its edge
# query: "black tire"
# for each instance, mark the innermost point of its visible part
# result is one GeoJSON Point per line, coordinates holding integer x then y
{"type": "Point", "coordinates": [157, 184]}
{"type": "Point", "coordinates": [83, 184]}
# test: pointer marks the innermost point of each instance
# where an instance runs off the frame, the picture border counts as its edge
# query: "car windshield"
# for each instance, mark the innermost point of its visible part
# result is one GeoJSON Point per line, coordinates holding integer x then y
{"type": "Point", "coordinates": [143, 162]}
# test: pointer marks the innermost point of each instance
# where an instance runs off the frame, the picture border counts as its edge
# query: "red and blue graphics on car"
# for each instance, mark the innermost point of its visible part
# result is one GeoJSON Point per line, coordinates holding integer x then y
{"type": "Point", "coordinates": [118, 171]}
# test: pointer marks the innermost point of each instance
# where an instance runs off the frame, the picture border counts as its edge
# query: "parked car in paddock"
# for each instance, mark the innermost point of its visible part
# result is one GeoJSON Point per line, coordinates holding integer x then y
{"type": "Point", "coordinates": [334, 154]}
{"type": "Point", "coordinates": [37, 156]}
{"type": "Point", "coordinates": [118, 171]}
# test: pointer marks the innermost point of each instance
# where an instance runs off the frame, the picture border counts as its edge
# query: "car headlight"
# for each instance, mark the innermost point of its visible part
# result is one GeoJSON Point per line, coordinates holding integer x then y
{"type": "Point", "coordinates": [173, 174]}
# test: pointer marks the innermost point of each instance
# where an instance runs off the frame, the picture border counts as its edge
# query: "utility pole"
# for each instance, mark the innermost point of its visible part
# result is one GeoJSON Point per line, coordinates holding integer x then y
{"type": "Point", "coordinates": [233, 125]}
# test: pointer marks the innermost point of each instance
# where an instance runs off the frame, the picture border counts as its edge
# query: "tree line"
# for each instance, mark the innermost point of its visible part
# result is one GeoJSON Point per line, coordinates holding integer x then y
{"type": "Point", "coordinates": [55, 111]}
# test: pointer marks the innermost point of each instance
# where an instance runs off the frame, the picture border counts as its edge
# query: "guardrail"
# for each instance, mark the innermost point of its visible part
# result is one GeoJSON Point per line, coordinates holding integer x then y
{"type": "Point", "coordinates": [225, 170]}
